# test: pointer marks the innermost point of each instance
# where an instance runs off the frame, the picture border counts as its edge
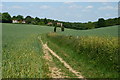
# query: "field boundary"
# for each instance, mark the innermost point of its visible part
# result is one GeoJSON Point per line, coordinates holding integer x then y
{"type": "Point", "coordinates": [78, 74]}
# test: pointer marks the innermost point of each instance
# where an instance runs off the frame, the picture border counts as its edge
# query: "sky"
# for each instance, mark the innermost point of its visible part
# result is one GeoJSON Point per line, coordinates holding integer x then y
{"type": "Point", "coordinates": [60, 0]}
{"type": "Point", "coordinates": [63, 11]}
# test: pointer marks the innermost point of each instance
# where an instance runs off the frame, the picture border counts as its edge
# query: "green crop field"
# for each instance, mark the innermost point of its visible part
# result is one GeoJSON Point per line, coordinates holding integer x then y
{"type": "Point", "coordinates": [107, 32]}
{"type": "Point", "coordinates": [22, 52]}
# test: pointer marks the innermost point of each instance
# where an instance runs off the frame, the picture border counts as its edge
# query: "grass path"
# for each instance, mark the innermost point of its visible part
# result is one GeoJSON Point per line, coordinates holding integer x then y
{"type": "Point", "coordinates": [45, 46]}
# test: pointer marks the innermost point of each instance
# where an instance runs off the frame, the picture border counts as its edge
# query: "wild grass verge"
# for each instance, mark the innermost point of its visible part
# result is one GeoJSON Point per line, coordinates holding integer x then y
{"type": "Point", "coordinates": [94, 57]}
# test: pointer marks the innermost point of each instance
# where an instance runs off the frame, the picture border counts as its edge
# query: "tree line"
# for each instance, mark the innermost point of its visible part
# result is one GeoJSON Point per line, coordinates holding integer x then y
{"type": "Point", "coordinates": [91, 25]}
{"type": "Point", "coordinates": [7, 18]}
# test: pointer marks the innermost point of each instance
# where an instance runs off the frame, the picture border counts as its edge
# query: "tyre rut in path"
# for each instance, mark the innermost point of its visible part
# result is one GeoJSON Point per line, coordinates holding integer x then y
{"type": "Point", "coordinates": [78, 74]}
{"type": "Point", "coordinates": [54, 71]}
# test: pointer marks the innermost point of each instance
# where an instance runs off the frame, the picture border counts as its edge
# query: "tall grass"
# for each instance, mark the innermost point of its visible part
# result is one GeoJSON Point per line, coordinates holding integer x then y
{"type": "Point", "coordinates": [22, 52]}
{"type": "Point", "coordinates": [100, 54]}
{"type": "Point", "coordinates": [21, 60]}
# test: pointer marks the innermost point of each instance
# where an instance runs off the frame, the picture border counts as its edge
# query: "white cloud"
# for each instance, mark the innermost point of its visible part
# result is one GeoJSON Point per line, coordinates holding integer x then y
{"type": "Point", "coordinates": [44, 7]}
{"type": "Point", "coordinates": [89, 7]}
{"type": "Point", "coordinates": [108, 8]}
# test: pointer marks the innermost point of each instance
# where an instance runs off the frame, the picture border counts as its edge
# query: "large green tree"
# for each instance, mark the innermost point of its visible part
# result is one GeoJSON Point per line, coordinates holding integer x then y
{"type": "Point", "coordinates": [101, 22]}
{"type": "Point", "coordinates": [37, 20]}
{"type": "Point", "coordinates": [14, 18]}
{"type": "Point", "coordinates": [6, 18]}
{"type": "Point", "coordinates": [20, 18]}
{"type": "Point", "coordinates": [45, 21]}
{"type": "Point", "coordinates": [28, 19]}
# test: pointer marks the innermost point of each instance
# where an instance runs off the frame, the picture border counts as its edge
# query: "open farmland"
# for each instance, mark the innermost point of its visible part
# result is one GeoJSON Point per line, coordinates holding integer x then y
{"type": "Point", "coordinates": [111, 31]}
{"type": "Point", "coordinates": [22, 51]}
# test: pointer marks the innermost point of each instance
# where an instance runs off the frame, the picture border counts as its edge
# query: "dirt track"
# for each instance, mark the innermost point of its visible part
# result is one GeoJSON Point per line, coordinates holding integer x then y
{"type": "Point", "coordinates": [55, 72]}
{"type": "Point", "coordinates": [45, 47]}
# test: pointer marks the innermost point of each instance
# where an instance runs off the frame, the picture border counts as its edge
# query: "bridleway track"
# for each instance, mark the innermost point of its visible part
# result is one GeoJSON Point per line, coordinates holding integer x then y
{"type": "Point", "coordinates": [45, 46]}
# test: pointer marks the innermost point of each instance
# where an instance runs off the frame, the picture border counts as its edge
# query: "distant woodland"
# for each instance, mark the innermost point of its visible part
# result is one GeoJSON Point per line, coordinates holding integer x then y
{"type": "Point", "coordinates": [7, 18]}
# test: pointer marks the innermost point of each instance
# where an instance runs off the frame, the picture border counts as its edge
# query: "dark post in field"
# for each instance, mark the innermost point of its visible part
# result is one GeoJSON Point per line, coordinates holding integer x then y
{"type": "Point", "coordinates": [55, 29]}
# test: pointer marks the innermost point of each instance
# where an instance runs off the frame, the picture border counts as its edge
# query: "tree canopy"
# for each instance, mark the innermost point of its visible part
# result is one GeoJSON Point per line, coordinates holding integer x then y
{"type": "Point", "coordinates": [19, 18]}
{"type": "Point", "coordinates": [28, 19]}
{"type": "Point", "coordinates": [6, 18]}
{"type": "Point", "coordinates": [101, 22]}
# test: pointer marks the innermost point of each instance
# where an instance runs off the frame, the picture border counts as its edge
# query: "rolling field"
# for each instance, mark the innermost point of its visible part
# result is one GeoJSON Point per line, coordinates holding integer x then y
{"type": "Point", "coordinates": [22, 51]}
{"type": "Point", "coordinates": [106, 32]}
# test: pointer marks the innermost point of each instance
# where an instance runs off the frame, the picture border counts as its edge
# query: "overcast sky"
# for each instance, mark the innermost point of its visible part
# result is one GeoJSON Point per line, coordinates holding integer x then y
{"type": "Point", "coordinates": [64, 11]}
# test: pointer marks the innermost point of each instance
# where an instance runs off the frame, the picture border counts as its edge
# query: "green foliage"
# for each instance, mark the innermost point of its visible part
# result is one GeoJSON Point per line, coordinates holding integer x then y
{"type": "Point", "coordinates": [95, 57]}
{"type": "Point", "coordinates": [6, 18]}
{"type": "Point", "coordinates": [19, 18]}
{"type": "Point", "coordinates": [90, 25]}
{"type": "Point", "coordinates": [37, 20]}
{"type": "Point", "coordinates": [14, 18]}
{"type": "Point", "coordinates": [28, 19]}
{"type": "Point", "coordinates": [101, 22]}
{"type": "Point", "coordinates": [41, 23]}
{"type": "Point", "coordinates": [45, 21]}
{"type": "Point", "coordinates": [76, 25]}
{"type": "Point", "coordinates": [111, 22]}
